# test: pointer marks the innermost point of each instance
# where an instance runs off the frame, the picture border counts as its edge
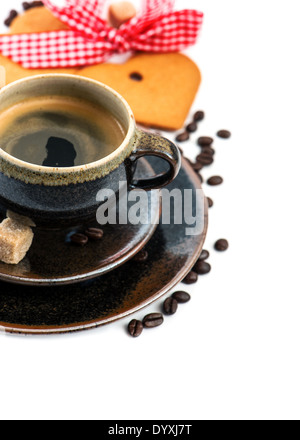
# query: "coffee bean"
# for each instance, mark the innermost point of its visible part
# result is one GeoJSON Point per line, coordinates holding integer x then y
{"type": "Point", "coordinates": [79, 239]}
{"type": "Point", "coordinates": [204, 255]}
{"type": "Point", "coordinates": [215, 180]}
{"type": "Point", "coordinates": [135, 328]}
{"type": "Point", "coordinates": [153, 320]}
{"type": "Point", "coordinates": [182, 137]}
{"type": "Point", "coordinates": [191, 278]}
{"type": "Point", "coordinates": [197, 166]}
{"type": "Point", "coordinates": [192, 127]}
{"type": "Point", "coordinates": [210, 202]}
{"type": "Point", "coordinates": [94, 233]}
{"type": "Point", "coordinates": [204, 155]}
{"type": "Point", "coordinates": [205, 159]}
{"type": "Point", "coordinates": [200, 177]}
{"type": "Point", "coordinates": [141, 257]}
{"type": "Point", "coordinates": [170, 306]}
{"type": "Point", "coordinates": [225, 134]}
{"type": "Point", "coordinates": [205, 141]}
{"type": "Point", "coordinates": [202, 267]}
{"type": "Point", "coordinates": [181, 296]}
{"type": "Point", "coordinates": [221, 245]}
{"type": "Point", "coordinates": [208, 151]}
{"type": "Point", "coordinates": [199, 116]}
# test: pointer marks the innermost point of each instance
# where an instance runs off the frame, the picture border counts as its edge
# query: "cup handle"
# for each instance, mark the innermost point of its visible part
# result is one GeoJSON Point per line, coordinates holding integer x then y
{"type": "Point", "coordinates": [148, 144]}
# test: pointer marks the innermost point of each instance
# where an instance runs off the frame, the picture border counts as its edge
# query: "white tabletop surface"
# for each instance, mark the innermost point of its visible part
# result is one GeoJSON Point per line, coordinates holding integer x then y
{"type": "Point", "coordinates": [233, 352]}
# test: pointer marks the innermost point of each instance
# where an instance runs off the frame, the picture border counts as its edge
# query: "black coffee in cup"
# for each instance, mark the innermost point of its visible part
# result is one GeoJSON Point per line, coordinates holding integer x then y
{"type": "Point", "coordinates": [59, 131]}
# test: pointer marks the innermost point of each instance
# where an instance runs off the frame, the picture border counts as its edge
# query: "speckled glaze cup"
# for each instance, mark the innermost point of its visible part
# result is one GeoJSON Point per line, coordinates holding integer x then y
{"type": "Point", "coordinates": [56, 197]}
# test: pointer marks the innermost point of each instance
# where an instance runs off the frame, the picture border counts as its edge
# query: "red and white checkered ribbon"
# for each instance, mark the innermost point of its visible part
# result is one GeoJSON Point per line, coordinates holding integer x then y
{"type": "Point", "coordinates": [90, 40]}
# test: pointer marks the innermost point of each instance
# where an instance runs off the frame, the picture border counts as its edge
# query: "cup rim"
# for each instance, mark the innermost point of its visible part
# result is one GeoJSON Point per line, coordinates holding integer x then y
{"type": "Point", "coordinates": [78, 168]}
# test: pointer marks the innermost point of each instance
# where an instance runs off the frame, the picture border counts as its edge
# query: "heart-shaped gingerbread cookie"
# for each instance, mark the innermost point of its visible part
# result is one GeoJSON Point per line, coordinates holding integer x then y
{"type": "Point", "coordinates": [160, 88]}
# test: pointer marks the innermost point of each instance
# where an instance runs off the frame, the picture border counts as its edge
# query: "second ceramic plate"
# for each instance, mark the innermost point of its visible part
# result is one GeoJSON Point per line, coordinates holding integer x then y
{"type": "Point", "coordinates": [172, 252]}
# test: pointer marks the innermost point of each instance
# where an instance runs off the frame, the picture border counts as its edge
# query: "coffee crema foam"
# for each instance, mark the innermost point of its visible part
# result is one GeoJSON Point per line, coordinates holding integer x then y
{"type": "Point", "coordinates": [59, 131]}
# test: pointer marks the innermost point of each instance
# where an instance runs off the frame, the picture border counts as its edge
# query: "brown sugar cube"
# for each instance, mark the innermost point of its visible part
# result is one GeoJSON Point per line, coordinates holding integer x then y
{"type": "Point", "coordinates": [25, 221]}
{"type": "Point", "coordinates": [15, 240]}
{"type": "Point", "coordinates": [120, 12]}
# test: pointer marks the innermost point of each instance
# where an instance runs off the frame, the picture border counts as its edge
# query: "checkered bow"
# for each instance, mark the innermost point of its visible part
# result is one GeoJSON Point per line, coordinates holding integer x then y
{"type": "Point", "coordinates": [91, 40]}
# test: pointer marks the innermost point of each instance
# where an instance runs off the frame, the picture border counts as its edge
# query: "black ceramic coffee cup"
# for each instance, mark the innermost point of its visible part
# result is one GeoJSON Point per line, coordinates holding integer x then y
{"type": "Point", "coordinates": [54, 197]}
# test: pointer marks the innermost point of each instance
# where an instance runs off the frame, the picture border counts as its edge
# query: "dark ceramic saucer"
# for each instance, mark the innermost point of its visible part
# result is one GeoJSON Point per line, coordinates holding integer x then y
{"type": "Point", "coordinates": [59, 309]}
{"type": "Point", "coordinates": [51, 260]}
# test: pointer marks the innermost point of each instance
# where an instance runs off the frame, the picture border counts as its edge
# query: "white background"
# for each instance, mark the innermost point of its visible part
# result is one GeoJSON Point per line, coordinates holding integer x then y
{"type": "Point", "coordinates": [233, 352]}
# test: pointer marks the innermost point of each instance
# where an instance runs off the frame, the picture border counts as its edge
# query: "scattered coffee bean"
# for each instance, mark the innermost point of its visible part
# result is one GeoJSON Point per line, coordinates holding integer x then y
{"type": "Point", "coordinates": [183, 137]}
{"type": "Point", "coordinates": [202, 267]}
{"type": "Point", "coordinates": [79, 239]}
{"type": "Point", "coordinates": [141, 257]}
{"type": "Point", "coordinates": [200, 177]}
{"type": "Point", "coordinates": [205, 141]}
{"type": "Point", "coordinates": [208, 151]}
{"type": "Point", "coordinates": [199, 116]}
{"type": "Point", "coordinates": [204, 255]}
{"type": "Point", "coordinates": [215, 180]}
{"type": "Point", "coordinates": [205, 159]}
{"type": "Point", "coordinates": [181, 297]}
{"type": "Point", "coordinates": [210, 202]}
{"type": "Point", "coordinates": [135, 328]}
{"type": "Point", "coordinates": [197, 166]}
{"type": "Point", "coordinates": [225, 134]}
{"type": "Point", "coordinates": [221, 245]}
{"type": "Point", "coordinates": [192, 127]}
{"type": "Point", "coordinates": [191, 278]}
{"type": "Point", "coordinates": [12, 15]}
{"type": "Point", "coordinates": [153, 320]}
{"type": "Point", "coordinates": [170, 306]}
{"type": "Point", "coordinates": [94, 233]}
